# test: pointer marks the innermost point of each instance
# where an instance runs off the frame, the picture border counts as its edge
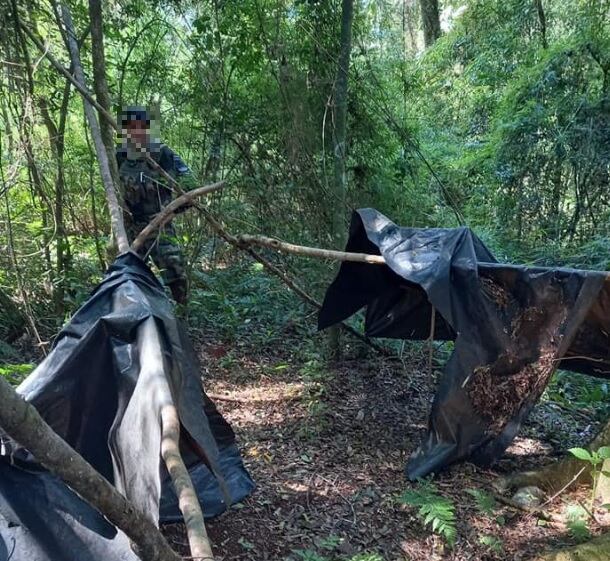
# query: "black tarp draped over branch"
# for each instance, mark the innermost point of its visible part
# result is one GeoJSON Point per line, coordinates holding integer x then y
{"type": "Point", "coordinates": [93, 393]}
{"type": "Point", "coordinates": [512, 326]}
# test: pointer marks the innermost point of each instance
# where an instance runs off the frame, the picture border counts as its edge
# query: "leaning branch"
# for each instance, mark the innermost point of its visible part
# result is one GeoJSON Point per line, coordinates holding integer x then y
{"type": "Point", "coordinates": [25, 425]}
{"type": "Point", "coordinates": [168, 212]}
{"type": "Point", "coordinates": [116, 216]}
{"type": "Point", "coordinates": [273, 243]}
{"type": "Point", "coordinates": [153, 367]}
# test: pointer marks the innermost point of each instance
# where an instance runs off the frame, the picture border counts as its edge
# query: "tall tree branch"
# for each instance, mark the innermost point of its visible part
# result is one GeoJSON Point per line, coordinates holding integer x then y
{"type": "Point", "coordinates": [116, 216]}
{"type": "Point", "coordinates": [100, 85]}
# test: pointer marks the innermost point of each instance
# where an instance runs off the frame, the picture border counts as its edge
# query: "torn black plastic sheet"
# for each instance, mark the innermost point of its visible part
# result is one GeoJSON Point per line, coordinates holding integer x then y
{"type": "Point", "coordinates": [87, 390]}
{"type": "Point", "coordinates": [512, 326]}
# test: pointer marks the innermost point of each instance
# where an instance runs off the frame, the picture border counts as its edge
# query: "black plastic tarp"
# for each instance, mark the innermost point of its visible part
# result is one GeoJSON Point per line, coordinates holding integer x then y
{"type": "Point", "coordinates": [91, 391]}
{"type": "Point", "coordinates": [512, 326]}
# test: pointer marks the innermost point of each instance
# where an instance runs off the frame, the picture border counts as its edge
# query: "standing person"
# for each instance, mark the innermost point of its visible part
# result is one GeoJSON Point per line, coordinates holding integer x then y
{"type": "Point", "coordinates": [146, 192]}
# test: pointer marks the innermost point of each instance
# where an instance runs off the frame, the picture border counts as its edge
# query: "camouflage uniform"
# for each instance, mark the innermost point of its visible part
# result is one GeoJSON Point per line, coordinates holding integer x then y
{"type": "Point", "coordinates": [146, 193]}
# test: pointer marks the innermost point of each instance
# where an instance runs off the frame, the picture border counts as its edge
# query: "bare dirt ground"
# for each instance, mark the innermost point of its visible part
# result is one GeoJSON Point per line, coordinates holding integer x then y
{"type": "Point", "coordinates": [327, 448]}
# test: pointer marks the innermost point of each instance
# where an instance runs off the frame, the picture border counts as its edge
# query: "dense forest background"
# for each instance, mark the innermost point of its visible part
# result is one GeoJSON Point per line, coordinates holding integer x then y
{"type": "Point", "coordinates": [495, 114]}
{"type": "Point", "coordinates": [492, 114]}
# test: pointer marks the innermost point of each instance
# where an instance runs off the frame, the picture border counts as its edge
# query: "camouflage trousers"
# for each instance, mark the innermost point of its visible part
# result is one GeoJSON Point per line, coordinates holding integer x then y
{"type": "Point", "coordinates": [166, 254]}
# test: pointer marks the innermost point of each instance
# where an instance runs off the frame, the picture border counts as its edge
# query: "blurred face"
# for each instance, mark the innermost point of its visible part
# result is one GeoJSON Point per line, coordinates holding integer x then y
{"type": "Point", "coordinates": [136, 132]}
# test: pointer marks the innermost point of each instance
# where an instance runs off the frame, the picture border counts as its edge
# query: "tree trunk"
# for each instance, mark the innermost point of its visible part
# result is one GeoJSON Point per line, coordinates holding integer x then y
{"type": "Point", "coordinates": [430, 21]}
{"type": "Point", "coordinates": [541, 22]}
{"type": "Point", "coordinates": [25, 127]}
{"type": "Point", "coordinates": [116, 217]}
{"type": "Point", "coordinates": [408, 28]}
{"type": "Point", "coordinates": [340, 121]}
{"type": "Point", "coordinates": [340, 138]}
{"type": "Point", "coordinates": [56, 142]}
{"type": "Point", "coordinates": [100, 85]}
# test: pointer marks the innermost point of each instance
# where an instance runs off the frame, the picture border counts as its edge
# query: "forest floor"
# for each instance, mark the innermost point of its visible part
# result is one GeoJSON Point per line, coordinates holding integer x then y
{"type": "Point", "coordinates": [327, 447]}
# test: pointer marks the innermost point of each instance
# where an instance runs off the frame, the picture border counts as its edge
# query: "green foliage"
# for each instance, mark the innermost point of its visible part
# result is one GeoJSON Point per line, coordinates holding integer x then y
{"type": "Point", "coordinates": [244, 303]}
{"type": "Point", "coordinates": [578, 392]}
{"type": "Point", "coordinates": [577, 522]}
{"type": "Point", "coordinates": [313, 555]}
{"type": "Point", "coordinates": [494, 122]}
{"type": "Point", "coordinates": [485, 502]}
{"type": "Point", "coordinates": [596, 458]}
{"type": "Point", "coordinates": [493, 543]}
{"type": "Point", "coordinates": [15, 373]}
{"type": "Point", "coordinates": [7, 353]}
{"type": "Point", "coordinates": [329, 543]}
{"type": "Point", "coordinates": [434, 510]}
{"type": "Point", "coordinates": [309, 555]}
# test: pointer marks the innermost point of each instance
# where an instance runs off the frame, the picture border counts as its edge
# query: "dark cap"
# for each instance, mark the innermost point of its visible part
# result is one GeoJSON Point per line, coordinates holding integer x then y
{"type": "Point", "coordinates": [133, 113]}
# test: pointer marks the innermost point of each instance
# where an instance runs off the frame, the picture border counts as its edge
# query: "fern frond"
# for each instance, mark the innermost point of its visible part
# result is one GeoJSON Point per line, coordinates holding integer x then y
{"type": "Point", "coordinates": [485, 501]}
{"type": "Point", "coordinates": [435, 511]}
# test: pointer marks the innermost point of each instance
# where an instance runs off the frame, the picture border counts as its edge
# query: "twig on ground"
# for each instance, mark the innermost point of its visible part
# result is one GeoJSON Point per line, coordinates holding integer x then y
{"type": "Point", "coordinates": [532, 511]}
{"type": "Point", "coordinates": [549, 501]}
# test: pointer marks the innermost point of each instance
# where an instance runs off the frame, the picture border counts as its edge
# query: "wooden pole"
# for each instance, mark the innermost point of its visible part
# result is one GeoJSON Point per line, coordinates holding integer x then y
{"type": "Point", "coordinates": [153, 367]}
{"type": "Point", "coordinates": [25, 425]}
{"type": "Point", "coordinates": [273, 243]}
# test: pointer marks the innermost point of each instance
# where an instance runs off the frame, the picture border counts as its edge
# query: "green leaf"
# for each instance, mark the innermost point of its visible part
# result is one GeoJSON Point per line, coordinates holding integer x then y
{"type": "Point", "coordinates": [579, 530]}
{"type": "Point", "coordinates": [435, 510]}
{"type": "Point", "coordinates": [493, 543]}
{"type": "Point", "coordinates": [485, 501]}
{"type": "Point", "coordinates": [329, 543]}
{"type": "Point", "coordinates": [604, 452]}
{"type": "Point", "coordinates": [581, 454]}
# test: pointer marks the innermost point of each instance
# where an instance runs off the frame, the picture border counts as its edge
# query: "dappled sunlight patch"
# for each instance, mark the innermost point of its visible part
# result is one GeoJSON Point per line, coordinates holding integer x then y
{"type": "Point", "coordinates": [522, 446]}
